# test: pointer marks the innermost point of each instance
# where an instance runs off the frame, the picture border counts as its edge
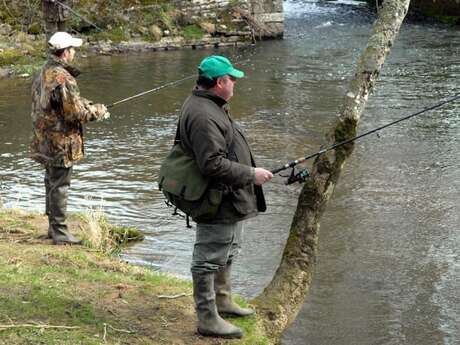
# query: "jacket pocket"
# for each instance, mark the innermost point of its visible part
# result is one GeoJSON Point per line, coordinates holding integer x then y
{"type": "Point", "coordinates": [209, 204]}
{"type": "Point", "coordinates": [75, 147]}
{"type": "Point", "coordinates": [244, 200]}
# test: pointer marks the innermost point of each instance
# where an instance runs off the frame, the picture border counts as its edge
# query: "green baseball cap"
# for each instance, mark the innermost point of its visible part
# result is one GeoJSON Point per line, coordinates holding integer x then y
{"type": "Point", "coordinates": [215, 66]}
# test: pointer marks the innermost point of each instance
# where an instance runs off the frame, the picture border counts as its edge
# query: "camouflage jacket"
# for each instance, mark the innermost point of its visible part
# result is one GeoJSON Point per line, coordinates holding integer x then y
{"type": "Point", "coordinates": [58, 115]}
{"type": "Point", "coordinates": [53, 12]}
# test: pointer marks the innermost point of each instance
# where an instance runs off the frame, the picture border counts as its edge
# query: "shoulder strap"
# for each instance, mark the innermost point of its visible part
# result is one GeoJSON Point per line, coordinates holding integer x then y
{"type": "Point", "coordinates": [177, 137]}
{"type": "Point", "coordinates": [231, 148]}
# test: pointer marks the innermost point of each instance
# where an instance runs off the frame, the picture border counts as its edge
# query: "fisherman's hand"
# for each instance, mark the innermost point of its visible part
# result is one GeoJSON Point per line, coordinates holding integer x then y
{"type": "Point", "coordinates": [102, 112]}
{"type": "Point", "coordinates": [261, 176]}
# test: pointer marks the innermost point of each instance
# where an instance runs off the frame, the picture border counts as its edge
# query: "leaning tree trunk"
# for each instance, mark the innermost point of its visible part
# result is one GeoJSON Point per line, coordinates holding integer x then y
{"type": "Point", "coordinates": [282, 299]}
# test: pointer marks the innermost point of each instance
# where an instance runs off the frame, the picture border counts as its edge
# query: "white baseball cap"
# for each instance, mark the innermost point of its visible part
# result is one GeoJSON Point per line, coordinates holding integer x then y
{"type": "Point", "coordinates": [62, 40]}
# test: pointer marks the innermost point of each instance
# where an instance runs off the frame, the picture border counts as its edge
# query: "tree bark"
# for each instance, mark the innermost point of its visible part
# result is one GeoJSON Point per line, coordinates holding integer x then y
{"type": "Point", "coordinates": [280, 302]}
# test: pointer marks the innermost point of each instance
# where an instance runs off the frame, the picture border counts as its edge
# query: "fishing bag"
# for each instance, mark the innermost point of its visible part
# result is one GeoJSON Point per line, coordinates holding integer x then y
{"type": "Point", "coordinates": [185, 187]}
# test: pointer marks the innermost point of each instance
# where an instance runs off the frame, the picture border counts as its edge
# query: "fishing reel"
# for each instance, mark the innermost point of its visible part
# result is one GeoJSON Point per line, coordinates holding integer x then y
{"type": "Point", "coordinates": [299, 176]}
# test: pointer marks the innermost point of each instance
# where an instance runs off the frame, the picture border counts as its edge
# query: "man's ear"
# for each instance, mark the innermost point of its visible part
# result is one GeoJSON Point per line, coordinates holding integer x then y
{"type": "Point", "coordinates": [219, 82]}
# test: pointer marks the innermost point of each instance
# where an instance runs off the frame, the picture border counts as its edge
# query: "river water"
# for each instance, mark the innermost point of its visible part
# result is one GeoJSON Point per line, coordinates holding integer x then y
{"type": "Point", "coordinates": [388, 266]}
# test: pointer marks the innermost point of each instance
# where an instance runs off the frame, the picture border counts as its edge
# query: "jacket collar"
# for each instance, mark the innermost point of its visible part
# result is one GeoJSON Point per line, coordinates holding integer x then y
{"type": "Point", "coordinates": [211, 96]}
{"type": "Point", "coordinates": [74, 72]}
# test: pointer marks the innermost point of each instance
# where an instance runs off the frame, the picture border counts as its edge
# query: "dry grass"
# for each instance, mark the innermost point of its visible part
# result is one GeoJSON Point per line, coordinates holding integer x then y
{"type": "Point", "coordinates": [96, 231]}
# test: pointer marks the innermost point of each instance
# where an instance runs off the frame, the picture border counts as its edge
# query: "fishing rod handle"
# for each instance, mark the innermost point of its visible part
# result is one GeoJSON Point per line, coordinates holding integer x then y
{"type": "Point", "coordinates": [286, 166]}
{"type": "Point", "coordinates": [297, 161]}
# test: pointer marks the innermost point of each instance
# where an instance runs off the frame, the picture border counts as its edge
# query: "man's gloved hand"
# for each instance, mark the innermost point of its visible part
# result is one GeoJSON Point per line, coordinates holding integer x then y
{"type": "Point", "coordinates": [102, 112]}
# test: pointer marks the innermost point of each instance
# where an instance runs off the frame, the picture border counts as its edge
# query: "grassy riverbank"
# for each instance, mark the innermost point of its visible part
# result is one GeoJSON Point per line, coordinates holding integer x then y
{"type": "Point", "coordinates": [80, 295]}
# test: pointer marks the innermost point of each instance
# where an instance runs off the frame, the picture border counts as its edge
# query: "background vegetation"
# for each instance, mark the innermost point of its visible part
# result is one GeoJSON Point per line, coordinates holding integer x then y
{"type": "Point", "coordinates": [22, 35]}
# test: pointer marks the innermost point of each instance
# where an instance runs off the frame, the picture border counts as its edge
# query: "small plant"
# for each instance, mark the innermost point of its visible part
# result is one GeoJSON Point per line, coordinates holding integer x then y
{"type": "Point", "coordinates": [99, 234]}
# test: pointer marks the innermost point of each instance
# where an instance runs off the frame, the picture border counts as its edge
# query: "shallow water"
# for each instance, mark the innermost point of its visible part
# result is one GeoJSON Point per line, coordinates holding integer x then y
{"type": "Point", "coordinates": [388, 268]}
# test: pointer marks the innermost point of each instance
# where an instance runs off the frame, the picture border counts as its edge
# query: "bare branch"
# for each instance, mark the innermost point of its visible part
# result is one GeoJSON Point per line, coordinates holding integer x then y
{"type": "Point", "coordinates": [28, 325]}
{"type": "Point", "coordinates": [174, 296]}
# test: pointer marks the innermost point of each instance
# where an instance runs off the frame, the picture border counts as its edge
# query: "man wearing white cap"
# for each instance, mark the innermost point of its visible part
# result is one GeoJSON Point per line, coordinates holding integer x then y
{"type": "Point", "coordinates": [58, 115]}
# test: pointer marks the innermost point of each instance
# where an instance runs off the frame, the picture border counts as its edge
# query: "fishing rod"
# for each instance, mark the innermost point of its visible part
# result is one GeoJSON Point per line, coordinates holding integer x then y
{"type": "Point", "coordinates": [171, 83]}
{"type": "Point", "coordinates": [77, 14]}
{"type": "Point", "coordinates": [150, 91]}
{"type": "Point", "coordinates": [302, 175]}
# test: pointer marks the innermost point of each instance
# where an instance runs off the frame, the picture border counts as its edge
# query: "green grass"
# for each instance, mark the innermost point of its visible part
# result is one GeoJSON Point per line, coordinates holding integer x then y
{"type": "Point", "coordinates": [22, 64]}
{"type": "Point", "coordinates": [252, 333]}
{"type": "Point", "coordinates": [63, 288]}
{"type": "Point", "coordinates": [192, 32]}
{"type": "Point", "coordinates": [116, 35]}
{"type": "Point", "coordinates": [16, 57]}
{"type": "Point", "coordinates": [44, 295]}
{"type": "Point", "coordinates": [10, 56]}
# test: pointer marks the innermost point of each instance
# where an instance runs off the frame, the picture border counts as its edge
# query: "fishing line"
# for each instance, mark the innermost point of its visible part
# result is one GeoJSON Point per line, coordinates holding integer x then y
{"type": "Point", "coordinates": [77, 14]}
{"type": "Point", "coordinates": [150, 91]}
{"type": "Point", "coordinates": [172, 83]}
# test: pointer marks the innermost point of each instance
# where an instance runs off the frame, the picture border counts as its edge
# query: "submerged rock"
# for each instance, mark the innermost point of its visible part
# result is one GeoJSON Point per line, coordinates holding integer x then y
{"type": "Point", "coordinates": [4, 73]}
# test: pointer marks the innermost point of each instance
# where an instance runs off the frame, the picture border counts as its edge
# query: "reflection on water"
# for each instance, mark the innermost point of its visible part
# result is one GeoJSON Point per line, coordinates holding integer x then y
{"type": "Point", "coordinates": [388, 265]}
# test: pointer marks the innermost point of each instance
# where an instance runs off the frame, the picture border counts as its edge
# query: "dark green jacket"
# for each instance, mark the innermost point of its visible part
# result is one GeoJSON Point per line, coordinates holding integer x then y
{"type": "Point", "coordinates": [208, 133]}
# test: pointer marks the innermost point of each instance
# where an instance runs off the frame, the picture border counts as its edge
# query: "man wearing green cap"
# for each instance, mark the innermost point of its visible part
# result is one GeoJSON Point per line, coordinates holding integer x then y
{"type": "Point", "coordinates": [221, 151]}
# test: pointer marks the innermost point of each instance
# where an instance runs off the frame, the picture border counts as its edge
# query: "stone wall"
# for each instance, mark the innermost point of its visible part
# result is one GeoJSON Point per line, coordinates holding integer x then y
{"type": "Point", "coordinates": [267, 14]}
{"type": "Point", "coordinates": [202, 8]}
{"type": "Point", "coordinates": [270, 14]}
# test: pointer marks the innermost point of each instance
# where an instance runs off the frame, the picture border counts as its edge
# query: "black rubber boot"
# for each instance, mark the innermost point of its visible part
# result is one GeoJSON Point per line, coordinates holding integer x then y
{"type": "Point", "coordinates": [224, 302]}
{"type": "Point", "coordinates": [47, 203]}
{"type": "Point", "coordinates": [209, 321]}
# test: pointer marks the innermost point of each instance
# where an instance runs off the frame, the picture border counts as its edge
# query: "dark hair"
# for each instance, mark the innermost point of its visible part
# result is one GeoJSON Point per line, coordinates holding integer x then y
{"type": "Point", "coordinates": [57, 52]}
{"type": "Point", "coordinates": [205, 82]}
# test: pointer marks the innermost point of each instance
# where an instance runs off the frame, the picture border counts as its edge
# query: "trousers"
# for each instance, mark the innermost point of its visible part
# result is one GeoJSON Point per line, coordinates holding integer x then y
{"type": "Point", "coordinates": [215, 246]}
